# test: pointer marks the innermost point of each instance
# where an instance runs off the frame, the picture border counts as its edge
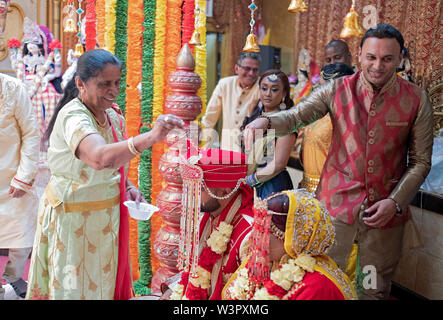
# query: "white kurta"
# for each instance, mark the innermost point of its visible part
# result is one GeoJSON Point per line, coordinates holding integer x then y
{"type": "Point", "coordinates": [19, 152]}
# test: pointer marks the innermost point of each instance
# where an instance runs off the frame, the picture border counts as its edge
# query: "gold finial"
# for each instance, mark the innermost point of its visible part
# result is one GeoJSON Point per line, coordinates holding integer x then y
{"type": "Point", "coordinates": [185, 59]}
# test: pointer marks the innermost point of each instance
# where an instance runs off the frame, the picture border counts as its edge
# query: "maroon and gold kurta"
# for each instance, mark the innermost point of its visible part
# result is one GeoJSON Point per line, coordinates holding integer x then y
{"type": "Point", "coordinates": [381, 141]}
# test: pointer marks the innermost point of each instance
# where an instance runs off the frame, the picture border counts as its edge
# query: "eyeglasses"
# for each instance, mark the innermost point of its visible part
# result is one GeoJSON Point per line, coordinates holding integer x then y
{"type": "Point", "coordinates": [248, 69]}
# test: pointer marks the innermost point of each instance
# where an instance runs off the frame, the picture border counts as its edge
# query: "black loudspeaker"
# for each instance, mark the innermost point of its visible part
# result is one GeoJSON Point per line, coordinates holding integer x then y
{"type": "Point", "coordinates": [270, 58]}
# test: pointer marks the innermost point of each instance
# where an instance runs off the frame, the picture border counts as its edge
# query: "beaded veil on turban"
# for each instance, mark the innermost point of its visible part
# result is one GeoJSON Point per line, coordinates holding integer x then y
{"type": "Point", "coordinates": [204, 168]}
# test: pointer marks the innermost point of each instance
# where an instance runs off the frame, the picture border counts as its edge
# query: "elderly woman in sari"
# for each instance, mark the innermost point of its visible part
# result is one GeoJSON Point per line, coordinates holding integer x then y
{"type": "Point", "coordinates": [81, 248]}
{"type": "Point", "coordinates": [288, 255]}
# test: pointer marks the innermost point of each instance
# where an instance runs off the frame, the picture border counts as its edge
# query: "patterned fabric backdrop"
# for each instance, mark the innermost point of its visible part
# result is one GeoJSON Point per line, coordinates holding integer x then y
{"type": "Point", "coordinates": [419, 21]}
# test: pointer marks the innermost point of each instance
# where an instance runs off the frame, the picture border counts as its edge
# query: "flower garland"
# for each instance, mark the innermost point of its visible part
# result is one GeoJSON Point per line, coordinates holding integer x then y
{"type": "Point", "coordinates": [110, 25]}
{"type": "Point", "coordinates": [158, 100]}
{"type": "Point", "coordinates": [90, 23]}
{"type": "Point", "coordinates": [279, 283]}
{"type": "Point", "coordinates": [198, 285]}
{"type": "Point", "coordinates": [145, 178]}
{"type": "Point", "coordinates": [101, 23]}
{"type": "Point", "coordinates": [200, 56]}
{"type": "Point", "coordinates": [121, 44]}
{"type": "Point", "coordinates": [188, 21]}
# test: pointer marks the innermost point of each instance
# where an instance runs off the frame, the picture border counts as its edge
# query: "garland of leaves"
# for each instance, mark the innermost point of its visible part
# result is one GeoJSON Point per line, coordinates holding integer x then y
{"type": "Point", "coordinates": [121, 44]}
{"type": "Point", "coordinates": [144, 227]}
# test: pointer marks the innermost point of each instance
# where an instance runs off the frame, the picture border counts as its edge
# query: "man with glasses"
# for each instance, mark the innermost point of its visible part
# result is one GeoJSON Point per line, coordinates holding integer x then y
{"type": "Point", "coordinates": [233, 97]}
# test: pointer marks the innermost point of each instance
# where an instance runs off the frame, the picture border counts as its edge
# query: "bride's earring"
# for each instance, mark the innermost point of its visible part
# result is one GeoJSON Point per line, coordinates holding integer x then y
{"type": "Point", "coordinates": [282, 105]}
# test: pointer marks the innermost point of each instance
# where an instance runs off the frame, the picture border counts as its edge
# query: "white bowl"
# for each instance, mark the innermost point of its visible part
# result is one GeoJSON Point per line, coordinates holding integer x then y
{"type": "Point", "coordinates": [143, 212]}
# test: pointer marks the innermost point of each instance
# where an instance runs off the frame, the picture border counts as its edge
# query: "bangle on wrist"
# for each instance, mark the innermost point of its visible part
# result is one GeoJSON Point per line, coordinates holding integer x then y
{"type": "Point", "coordinates": [269, 120]}
{"type": "Point", "coordinates": [397, 208]}
{"type": "Point", "coordinates": [132, 148]}
{"type": "Point", "coordinates": [251, 180]}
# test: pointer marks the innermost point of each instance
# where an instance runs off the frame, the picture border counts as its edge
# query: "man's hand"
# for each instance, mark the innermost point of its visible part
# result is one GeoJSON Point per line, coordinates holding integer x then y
{"type": "Point", "coordinates": [380, 213]}
{"type": "Point", "coordinates": [15, 192]}
{"type": "Point", "coordinates": [249, 133]}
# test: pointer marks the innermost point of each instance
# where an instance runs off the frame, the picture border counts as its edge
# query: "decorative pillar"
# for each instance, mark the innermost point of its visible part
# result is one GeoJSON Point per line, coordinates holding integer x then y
{"type": "Point", "coordinates": [186, 104]}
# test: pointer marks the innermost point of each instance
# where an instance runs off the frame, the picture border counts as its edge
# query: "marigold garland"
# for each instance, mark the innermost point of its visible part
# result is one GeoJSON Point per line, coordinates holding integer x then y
{"type": "Point", "coordinates": [169, 18]}
{"type": "Point", "coordinates": [110, 25]}
{"type": "Point", "coordinates": [145, 178]}
{"type": "Point", "coordinates": [200, 56]}
{"type": "Point", "coordinates": [101, 23]}
{"type": "Point", "coordinates": [90, 25]}
{"type": "Point", "coordinates": [134, 77]}
{"type": "Point", "coordinates": [121, 42]}
{"type": "Point", "coordinates": [157, 109]}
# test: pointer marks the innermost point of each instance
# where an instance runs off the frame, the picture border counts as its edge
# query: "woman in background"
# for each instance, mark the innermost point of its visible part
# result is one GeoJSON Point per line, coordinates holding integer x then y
{"type": "Point", "coordinates": [268, 172]}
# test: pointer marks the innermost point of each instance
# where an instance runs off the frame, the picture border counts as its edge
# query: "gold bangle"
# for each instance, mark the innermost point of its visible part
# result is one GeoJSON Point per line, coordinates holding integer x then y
{"type": "Point", "coordinates": [131, 147]}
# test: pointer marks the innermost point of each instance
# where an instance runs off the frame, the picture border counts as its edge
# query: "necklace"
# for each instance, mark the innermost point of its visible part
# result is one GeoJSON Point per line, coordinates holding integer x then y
{"type": "Point", "coordinates": [102, 125]}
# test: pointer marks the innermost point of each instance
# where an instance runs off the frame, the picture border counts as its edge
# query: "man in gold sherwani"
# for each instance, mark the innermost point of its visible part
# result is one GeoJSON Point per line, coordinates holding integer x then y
{"type": "Point", "coordinates": [380, 154]}
{"type": "Point", "coordinates": [19, 151]}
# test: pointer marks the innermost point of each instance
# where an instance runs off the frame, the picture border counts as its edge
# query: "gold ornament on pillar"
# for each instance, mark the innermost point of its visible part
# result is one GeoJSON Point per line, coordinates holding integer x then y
{"type": "Point", "coordinates": [352, 27]}
{"type": "Point", "coordinates": [297, 6]}
{"type": "Point", "coordinates": [251, 44]}
{"type": "Point", "coordinates": [195, 38]}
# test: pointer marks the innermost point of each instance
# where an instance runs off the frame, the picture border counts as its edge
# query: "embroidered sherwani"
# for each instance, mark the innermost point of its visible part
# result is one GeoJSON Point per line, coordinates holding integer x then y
{"type": "Point", "coordinates": [381, 147]}
{"type": "Point", "coordinates": [238, 246]}
{"type": "Point", "coordinates": [234, 103]}
{"type": "Point", "coordinates": [19, 150]}
{"type": "Point", "coordinates": [373, 135]}
{"type": "Point", "coordinates": [75, 254]}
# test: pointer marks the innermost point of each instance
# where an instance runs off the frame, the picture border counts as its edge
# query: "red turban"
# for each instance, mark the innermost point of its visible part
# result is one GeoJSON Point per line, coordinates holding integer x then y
{"type": "Point", "coordinates": [221, 168]}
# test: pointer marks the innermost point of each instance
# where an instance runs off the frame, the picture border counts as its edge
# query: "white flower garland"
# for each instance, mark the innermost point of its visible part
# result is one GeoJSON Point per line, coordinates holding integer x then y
{"type": "Point", "coordinates": [286, 276]}
{"type": "Point", "coordinates": [219, 238]}
{"type": "Point", "coordinates": [218, 243]}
